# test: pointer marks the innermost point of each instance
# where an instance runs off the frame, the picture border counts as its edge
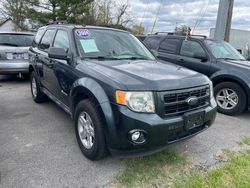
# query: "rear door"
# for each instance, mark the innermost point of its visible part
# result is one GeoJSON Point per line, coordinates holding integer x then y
{"type": "Point", "coordinates": [167, 50]}
{"type": "Point", "coordinates": [186, 57]}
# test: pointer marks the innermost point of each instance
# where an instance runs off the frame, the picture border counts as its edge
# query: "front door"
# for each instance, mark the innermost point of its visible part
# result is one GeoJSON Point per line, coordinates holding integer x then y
{"type": "Point", "coordinates": [63, 70]}
{"type": "Point", "coordinates": [48, 78]}
{"type": "Point", "coordinates": [187, 58]}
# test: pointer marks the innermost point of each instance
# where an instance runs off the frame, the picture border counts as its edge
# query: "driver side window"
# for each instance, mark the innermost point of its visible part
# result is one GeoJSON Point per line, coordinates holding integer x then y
{"type": "Point", "coordinates": [47, 39]}
{"type": "Point", "coordinates": [189, 48]}
{"type": "Point", "coordinates": [61, 40]}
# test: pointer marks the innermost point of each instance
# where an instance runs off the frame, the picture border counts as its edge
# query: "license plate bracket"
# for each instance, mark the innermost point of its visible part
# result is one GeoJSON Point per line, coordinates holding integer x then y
{"type": "Point", "coordinates": [194, 119]}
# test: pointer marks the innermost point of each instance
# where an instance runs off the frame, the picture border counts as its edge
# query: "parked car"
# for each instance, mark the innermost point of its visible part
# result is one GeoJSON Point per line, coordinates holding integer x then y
{"type": "Point", "coordinates": [121, 99]}
{"type": "Point", "coordinates": [141, 37]}
{"type": "Point", "coordinates": [14, 48]}
{"type": "Point", "coordinates": [224, 65]}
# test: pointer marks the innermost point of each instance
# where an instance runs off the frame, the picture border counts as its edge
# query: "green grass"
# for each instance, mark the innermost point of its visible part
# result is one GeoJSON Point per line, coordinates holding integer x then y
{"type": "Point", "coordinates": [235, 173]}
{"type": "Point", "coordinates": [245, 141]}
{"type": "Point", "coordinates": [171, 169]}
{"type": "Point", "coordinates": [151, 171]}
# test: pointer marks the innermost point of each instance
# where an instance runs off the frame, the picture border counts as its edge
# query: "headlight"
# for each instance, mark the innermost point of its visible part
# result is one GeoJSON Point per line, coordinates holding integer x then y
{"type": "Point", "coordinates": [211, 88]}
{"type": "Point", "coordinates": [136, 101]}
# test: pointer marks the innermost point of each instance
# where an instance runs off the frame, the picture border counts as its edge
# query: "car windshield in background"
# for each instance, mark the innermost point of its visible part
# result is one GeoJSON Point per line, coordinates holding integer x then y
{"type": "Point", "coordinates": [19, 40]}
{"type": "Point", "coordinates": [109, 44]}
{"type": "Point", "coordinates": [223, 50]}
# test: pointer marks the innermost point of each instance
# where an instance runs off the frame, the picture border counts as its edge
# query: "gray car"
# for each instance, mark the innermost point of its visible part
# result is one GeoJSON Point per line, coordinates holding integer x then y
{"type": "Point", "coordinates": [14, 46]}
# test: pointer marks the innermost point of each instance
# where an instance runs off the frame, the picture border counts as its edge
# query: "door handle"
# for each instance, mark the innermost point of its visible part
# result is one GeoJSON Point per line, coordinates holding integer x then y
{"type": "Point", "coordinates": [181, 60]}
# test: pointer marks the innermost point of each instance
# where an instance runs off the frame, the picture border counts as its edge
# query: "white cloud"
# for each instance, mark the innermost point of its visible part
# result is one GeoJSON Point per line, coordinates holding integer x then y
{"type": "Point", "coordinates": [183, 12]}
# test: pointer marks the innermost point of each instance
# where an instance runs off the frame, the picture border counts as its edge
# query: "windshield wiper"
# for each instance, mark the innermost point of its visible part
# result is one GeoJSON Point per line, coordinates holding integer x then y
{"type": "Point", "coordinates": [227, 58]}
{"type": "Point", "coordinates": [100, 57]}
{"type": "Point", "coordinates": [136, 58]}
{"type": "Point", "coordinates": [8, 44]}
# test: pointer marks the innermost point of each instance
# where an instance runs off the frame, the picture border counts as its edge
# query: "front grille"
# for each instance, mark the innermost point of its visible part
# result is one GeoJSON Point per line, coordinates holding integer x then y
{"type": "Point", "coordinates": [175, 102]}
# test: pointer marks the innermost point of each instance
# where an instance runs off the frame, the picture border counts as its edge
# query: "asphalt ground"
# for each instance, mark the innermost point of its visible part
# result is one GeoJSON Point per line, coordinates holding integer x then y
{"type": "Point", "coordinates": [38, 147]}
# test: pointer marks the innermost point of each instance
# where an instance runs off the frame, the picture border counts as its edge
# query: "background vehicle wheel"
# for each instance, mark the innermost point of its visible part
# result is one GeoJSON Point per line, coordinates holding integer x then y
{"type": "Point", "coordinates": [37, 95]}
{"type": "Point", "coordinates": [230, 97]}
{"type": "Point", "coordinates": [89, 131]}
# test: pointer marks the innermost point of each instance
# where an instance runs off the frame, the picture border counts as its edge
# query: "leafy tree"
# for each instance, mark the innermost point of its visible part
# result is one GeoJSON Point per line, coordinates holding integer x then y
{"type": "Point", "coordinates": [72, 11]}
{"type": "Point", "coordinates": [182, 30]}
{"type": "Point", "coordinates": [17, 10]}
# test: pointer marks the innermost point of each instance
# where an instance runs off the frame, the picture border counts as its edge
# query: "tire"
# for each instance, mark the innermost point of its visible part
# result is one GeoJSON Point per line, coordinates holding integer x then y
{"type": "Point", "coordinates": [37, 96]}
{"type": "Point", "coordinates": [230, 97]}
{"type": "Point", "coordinates": [98, 149]}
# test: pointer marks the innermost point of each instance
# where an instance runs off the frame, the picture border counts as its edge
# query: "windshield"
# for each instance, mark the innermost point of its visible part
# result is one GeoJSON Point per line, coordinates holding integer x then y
{"type": "Point", "coordinates": [110, 44]}
{"type": "Point", "coordinates": [16, 39]}
{"type": "Point", "coordinates": [223, 50]}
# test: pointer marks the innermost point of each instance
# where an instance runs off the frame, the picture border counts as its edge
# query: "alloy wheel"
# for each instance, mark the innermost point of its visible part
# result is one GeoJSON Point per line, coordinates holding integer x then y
{"type": "Point", "coordinates": [86, 130]}
{"type": "Point", "coordinates": [227, 98]}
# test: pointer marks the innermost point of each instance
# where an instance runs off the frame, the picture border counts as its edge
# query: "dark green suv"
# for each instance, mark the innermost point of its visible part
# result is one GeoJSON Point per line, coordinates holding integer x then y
{"type": "Point", "coordinates": [224, 65]}
{"type": "Point", "coordinates": [121, 99]}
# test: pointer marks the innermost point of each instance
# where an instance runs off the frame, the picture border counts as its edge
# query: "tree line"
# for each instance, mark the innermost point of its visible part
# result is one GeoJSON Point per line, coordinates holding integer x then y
{"type": "Point", "coordinates": [35, 13]}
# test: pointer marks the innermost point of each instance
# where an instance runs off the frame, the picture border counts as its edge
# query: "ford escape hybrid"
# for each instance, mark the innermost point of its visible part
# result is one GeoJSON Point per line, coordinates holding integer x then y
{"type": "Point", "coordinates": [121, 99]}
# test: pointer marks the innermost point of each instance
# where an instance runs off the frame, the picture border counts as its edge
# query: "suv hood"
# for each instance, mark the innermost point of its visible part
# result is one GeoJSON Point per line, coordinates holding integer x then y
{"type": "Point", "coordinates": [236, 63]}
{"type": "Point", "coordinates": [148, 75]}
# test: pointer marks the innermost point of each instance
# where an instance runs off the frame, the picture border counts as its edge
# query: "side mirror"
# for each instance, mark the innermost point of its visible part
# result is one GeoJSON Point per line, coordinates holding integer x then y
{"type": "Point", "coordinates": [201, 56]}
{"type": "Point", "coordinates": [58, 53]}
{"type": "Point", "coordinates": [45, 45]}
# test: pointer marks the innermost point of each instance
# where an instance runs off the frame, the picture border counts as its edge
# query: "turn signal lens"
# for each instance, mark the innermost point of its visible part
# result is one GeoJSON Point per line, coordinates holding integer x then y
{"type": "Point", "coordinates": [120, 97]}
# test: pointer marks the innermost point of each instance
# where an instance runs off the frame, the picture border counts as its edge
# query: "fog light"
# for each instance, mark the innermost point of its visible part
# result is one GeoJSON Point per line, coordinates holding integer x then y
{"type": "Point", "coordinates": [135, 136]}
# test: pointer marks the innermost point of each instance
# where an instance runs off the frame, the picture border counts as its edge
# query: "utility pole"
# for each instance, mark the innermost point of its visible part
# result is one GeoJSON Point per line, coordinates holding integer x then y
{"type": "Point", "coordinates": [224, 20]}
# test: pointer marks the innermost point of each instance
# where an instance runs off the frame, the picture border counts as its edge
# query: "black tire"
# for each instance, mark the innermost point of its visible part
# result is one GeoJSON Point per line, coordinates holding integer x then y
{"type": "Point", "coordinates": [98, 149]}
{"type": "Point", "coordinates": [40, 96]}
{"type": "Point", "coordinates": [242, 99]}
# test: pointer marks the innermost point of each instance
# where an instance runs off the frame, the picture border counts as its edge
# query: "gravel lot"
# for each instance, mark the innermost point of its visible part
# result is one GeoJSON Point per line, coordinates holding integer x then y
{"type": "Point", "coordinates": [38, 146]}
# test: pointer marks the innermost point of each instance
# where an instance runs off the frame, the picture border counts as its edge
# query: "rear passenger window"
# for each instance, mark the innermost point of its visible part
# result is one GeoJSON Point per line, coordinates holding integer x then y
{"type": "Point", "coordinates": [38, 37]}
{"type": "Point", "coordinates": [189, 48]}
{"type": "Point", "coordinates": [152, 42]}
{"type": "Point", "coordinates": [169, 45]}
{"type": "Point", "coordinates": [61, 40]}
{"type": "Point", "coordinates": [47, 40]}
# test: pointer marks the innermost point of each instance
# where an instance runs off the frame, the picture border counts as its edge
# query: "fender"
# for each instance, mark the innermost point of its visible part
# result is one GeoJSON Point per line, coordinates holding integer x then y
{"type": "Point", "coordinates": [223, 75]}
{"type": "Point", "coordinates": [96, 93]}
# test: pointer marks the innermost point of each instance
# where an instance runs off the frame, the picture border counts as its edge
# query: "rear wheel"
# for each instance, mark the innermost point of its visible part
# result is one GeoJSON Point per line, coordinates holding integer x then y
{"type": "Point", "coordinates": [230, 97]}
{"type": "Point", "coordinates": [37, 95]}
{"type": "Point", "coordinates": [89, 130]}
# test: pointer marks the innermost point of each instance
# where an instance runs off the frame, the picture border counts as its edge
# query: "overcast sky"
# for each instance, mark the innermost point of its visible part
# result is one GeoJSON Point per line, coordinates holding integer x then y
{"type": "Point", "coordinates": [186, 12]}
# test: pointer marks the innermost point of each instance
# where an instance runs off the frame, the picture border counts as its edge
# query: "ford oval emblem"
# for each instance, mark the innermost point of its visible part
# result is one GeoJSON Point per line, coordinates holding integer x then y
{"type": "Point", "coordinates": [192, 101]}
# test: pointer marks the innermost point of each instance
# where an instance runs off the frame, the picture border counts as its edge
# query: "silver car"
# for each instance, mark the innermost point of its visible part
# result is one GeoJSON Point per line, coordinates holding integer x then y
{"type": "Point", "coordinates": [14, 46]}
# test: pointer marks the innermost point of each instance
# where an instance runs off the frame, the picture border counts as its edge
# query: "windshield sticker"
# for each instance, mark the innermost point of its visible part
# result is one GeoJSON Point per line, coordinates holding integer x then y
{"type": "Point", "coordinates": [89, 46]}
{"type": "Point", "coordinates": [84, 33]}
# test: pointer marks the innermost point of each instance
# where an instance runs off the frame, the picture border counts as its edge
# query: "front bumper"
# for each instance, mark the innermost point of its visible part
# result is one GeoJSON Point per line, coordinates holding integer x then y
{"type": "Point", "coordinates": [160, 132]}
{"type": "Point", "coordinates": [14, 66]}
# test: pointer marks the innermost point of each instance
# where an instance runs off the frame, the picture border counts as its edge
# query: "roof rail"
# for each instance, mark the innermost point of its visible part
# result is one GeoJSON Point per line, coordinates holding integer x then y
{"type": "Point", "coordinates": [163, 33]}
{"type": "Point", "coordinates": [58, 22]}
{"type": "Point", "coordinates": [199, 36]}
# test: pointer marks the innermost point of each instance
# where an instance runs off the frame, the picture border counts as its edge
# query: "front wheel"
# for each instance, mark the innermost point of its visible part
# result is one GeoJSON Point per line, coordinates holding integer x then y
{"type": "Point", "coordinates": [230, 97]}
{"type": "Point", "coordinates": [89, 131]}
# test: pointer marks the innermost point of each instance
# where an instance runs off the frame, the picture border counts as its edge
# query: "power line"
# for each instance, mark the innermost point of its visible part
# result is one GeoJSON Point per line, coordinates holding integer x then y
{"type": "Point", "coordinates": [202, 14]}
{"type": "Point", "coordinates": [202, 17]}
{"type": "Point", "coordinates": [156, 17]}
{"type": "Point", "coordinates": [144, 12]}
